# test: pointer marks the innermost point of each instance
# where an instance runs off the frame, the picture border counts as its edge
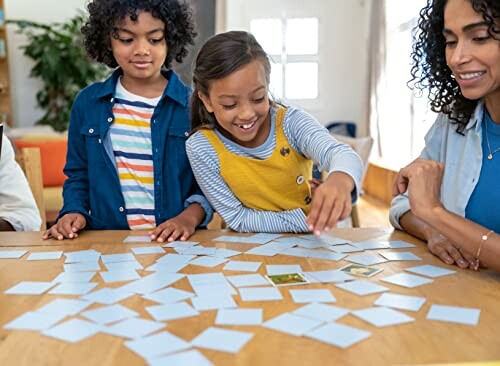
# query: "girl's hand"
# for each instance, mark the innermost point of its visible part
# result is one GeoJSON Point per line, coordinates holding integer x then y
{"type": "Point", "coordinates": [66, 227]}
{"type": "Point", "coordinates": [422, 178]}
{"type": "Point", "coordinates": [331, 202]}
{"type": "Point", "coordinates": [182, 226]}
{"type": "Point", "coordinates": [314, 183]}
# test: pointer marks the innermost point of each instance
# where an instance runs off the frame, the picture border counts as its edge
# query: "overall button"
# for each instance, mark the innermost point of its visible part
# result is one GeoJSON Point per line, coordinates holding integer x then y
{"type": "Point", "coordinates": [285, 151]}
{"type": "Point", "coordinates": [100, 141]}
{"type": "Point", "coordinates": [110, 119]}
{"type": "Point", "coordinates": [300, 179]}
{"type": "Point", "coordinates": [307, 200]}
{"type": "Point", "coordinates": [186, 134]}
{"type": "Point", "coordinates": [112, 100]}
{"type": "Point", "coordinates": [121, 209]}
{"type": "Point", "coordinates": [91, 130]}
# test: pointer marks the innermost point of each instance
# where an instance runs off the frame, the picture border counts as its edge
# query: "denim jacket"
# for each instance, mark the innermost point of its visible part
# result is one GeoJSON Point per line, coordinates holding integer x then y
{"type": "Point", "coordinates": [93, 187]}
{"type": "Point", "coordinates": [462, 157]}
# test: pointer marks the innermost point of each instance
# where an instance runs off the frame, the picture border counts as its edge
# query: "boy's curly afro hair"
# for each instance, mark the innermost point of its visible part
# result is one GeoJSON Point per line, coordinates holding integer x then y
{"type": "Point", "coordinates": [103, 15]}
{"type": "Point", "coordinates": [430, 70]}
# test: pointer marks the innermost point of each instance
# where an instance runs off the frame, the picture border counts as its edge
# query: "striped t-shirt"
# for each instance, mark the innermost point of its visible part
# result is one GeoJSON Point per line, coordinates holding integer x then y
{"type": "Point", "coordinates": [131, 140]}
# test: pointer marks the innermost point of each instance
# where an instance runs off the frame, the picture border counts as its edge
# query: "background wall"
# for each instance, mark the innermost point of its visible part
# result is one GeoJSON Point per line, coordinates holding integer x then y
{"type": "Point", "coordinates": [345, 70]}
{"type": "Point", "coordinates": [24, 88]}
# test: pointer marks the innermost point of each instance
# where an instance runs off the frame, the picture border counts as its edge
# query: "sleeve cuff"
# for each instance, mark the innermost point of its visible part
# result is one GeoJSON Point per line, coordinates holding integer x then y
{"type": "Point", "coordinates": [209, 212]}
{"type": "Point", "coordinates": [399, 206]}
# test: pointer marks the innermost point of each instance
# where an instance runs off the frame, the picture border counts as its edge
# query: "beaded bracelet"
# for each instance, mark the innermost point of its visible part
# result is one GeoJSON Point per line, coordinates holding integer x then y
{"type": "Point", "coordinates": [483, 240]}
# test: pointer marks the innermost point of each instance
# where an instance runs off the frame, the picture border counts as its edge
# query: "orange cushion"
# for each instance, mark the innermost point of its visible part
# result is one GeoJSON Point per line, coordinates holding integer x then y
{"type": "Point", "coordinates": [53, 156]}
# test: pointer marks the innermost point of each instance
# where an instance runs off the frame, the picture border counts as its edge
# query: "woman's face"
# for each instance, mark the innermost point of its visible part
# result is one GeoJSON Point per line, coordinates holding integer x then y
{"type": "Point", "coordinates": [471, 53]}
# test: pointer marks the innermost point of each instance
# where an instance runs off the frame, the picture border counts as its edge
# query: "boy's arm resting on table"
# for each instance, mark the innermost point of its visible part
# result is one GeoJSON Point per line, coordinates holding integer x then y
{"type": "Point", "coordinates": [201, 201]}
{"type": "Point", "coordinates": [18, 209]}
{"type": "Point", "coordinates": [237, 216]}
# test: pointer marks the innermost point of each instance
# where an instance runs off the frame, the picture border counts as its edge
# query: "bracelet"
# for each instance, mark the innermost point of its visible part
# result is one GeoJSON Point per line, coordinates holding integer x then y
{"type": "Point", "coordinates": [483, 240]}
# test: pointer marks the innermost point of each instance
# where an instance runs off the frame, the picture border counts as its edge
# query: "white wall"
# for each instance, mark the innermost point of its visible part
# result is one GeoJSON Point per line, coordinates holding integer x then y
{"type": "Point", "coordinates": [24, 88]}
{"type": "Point", "coordinates": [344, 26]}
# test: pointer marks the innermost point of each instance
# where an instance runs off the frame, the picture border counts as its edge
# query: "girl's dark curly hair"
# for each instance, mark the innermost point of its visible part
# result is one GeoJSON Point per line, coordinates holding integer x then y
{"type": "Point", "coordinates": [430, 71]}
{"type": "Point", "coordinates": [103, 15]}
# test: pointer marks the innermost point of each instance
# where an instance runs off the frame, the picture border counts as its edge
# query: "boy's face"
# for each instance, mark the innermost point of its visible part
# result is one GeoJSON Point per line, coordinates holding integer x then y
{"type": "Point", "coordinates": [140, 47]}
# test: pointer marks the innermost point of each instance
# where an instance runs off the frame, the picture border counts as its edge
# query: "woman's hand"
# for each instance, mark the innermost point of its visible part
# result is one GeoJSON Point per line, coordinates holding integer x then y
{"type": "Point", "coordinates": [422, 179]}
{"type": "Point", "coordinates": [331, 202]}
{"type": "Point", "coordinates": [67, 227]}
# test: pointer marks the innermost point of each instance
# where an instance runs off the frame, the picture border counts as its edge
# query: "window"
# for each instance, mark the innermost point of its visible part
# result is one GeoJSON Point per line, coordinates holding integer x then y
{"type": "Point", "coordinates": [292, 44]}
{"type": "Point", "coordinates": [405, 117]}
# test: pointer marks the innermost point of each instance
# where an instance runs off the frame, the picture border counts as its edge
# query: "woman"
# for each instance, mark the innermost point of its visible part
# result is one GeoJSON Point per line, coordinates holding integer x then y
{"type": "Point", "coordinates": [453, 188]}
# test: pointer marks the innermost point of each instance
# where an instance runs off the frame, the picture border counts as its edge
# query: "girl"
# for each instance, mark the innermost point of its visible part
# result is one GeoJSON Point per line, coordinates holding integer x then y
{"type": "Point", "coordinates": [126, 162]}
{"type": "Point", "coordinates": [252, 157]}
{"type": "Point", "coordinates": [457, 56]}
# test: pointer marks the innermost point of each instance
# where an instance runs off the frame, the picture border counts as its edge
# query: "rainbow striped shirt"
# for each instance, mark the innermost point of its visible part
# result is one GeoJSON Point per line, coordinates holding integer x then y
{"type": "Point", "coordinates": [131, 140]}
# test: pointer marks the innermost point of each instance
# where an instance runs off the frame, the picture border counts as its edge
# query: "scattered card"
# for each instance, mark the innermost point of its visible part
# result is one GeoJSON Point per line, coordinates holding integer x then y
{"type": "Point", "coordinates": [134, 328]}
{"type": "Point", "coordinates": [338, 335]}
{"type": "Point", "coordinates": [239, 317]}
{"type": "Point", "coordinates": [406, 280]}
{"type": "Point", "coordinates": [137, 239]}
{"type": "Point", "coordinates": [313, 295]}
{"type": "Point", "coordinates": [248, 280]}
{"type": "Point", "coordinates": [171, 311]}
{"type": "Point", "coordinates": [169, 295]}
{"type": "Point", "coordinates": [366, 259]}
{"type": "Point", "coordinates": [454, 314]}
{"type": "Point", "coordinates": [187, 358]}
{"type": "Point", "coordinates": [292, 324]}
{"type": "Point", "coordinates": [400, 256]}
{"type": "Point", "coordinates": [278, 269]}
{"type": "Point", "coordinates": [158, 345]}
{"type": "Point", "coordinates": [369, 245]}
{"type": "Point", "coordinates": [398, 244]}
{"type": "Point", "coordinates": [148, 250]}
{"type": "Point", "coordinates": [325, 313]}
{"type": "Point", "coordinates": [430, 270]}
{"type": "Point", "coordinates": [73, 330]}
{"type": "Point", "coordinates": [29, 288]}
{"type": "Point", "coordinates": [243, 266]}
{"type": "Point", "coordinates": [109, 314]}
{"type": "Point", "coordinates": [12, 254]}
{"type": "Point", "coordinates": [288, 279]}
{"type": "Point", "coordinates": [362, 287]}
{"type": "Point", "coordinates": [222, 339]}
{"type": "Point", "coordinates": [382, 317]}
{"type": "Point", "coordinates": [403, 302]}
{"type": "Point", "coordinates": [360, 270]}
{"type": "Point", "coordinates": [35, 321]}
{"type": "Point", "coordinates": [260, 294]}
{"type": "Point", "coordinates": [44, 256]}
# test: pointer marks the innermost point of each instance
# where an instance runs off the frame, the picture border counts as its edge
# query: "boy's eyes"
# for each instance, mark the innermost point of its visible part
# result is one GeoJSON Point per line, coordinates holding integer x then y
{"type": "Point", "coordinates": [151, 40]}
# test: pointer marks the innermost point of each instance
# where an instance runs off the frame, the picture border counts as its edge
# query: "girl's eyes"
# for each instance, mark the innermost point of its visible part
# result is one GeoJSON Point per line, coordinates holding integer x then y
{"type": "Point", "coordinates": [480, 39]}
{"type": "Point", "coordinates": [231, 106]}
{"type": "Point", "coordinates": [259, 100]}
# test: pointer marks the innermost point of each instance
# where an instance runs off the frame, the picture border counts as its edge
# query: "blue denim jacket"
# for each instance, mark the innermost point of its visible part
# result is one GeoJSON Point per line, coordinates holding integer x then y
{"type": "Point", "coordinates": [462, 157]}
{"type": "Point", "coordinates": [93, 187]}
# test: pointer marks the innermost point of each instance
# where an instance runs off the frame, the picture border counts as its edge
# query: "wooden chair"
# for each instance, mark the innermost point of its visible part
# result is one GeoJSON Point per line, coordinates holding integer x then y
{"type": "Point", "coordinates": [30, 162]}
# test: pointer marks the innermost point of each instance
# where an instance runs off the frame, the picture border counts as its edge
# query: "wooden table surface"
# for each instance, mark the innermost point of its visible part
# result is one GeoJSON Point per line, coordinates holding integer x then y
{"type": "Point", "coordinates": [421, 342]}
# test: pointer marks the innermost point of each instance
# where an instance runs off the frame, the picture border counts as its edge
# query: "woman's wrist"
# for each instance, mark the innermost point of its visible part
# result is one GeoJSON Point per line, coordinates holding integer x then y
{"type": "Point", "coordinates": [432, 214]}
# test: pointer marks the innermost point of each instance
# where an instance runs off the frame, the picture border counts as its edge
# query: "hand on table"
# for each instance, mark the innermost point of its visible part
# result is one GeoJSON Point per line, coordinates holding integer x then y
{"type": "Point", "coordinates": [331, 202]}
{"type": "Point", "coordinates": [67, 227]}
{"type": "Point", "coordinates": [182, 226]}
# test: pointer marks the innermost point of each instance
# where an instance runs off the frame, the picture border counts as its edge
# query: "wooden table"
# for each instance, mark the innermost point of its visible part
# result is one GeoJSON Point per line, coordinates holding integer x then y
{"type": "Point", "coordinates": [423, 341]}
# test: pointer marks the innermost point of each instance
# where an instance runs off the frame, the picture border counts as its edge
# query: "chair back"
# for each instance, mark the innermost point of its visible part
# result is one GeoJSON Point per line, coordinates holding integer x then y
{"type": "Point", "coordinates": [30, 162]}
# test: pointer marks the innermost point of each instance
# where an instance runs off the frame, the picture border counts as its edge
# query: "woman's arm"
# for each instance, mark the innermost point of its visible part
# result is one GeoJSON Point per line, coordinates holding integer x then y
{"type": "Point", "coordinates": [422, 179]}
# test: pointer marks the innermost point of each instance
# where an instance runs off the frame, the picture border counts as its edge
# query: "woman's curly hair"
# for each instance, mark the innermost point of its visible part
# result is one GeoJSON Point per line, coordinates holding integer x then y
{"type": "Point", "coordinates": [103, 15]}
{"type": "Point", "coordinates": [430, 70]}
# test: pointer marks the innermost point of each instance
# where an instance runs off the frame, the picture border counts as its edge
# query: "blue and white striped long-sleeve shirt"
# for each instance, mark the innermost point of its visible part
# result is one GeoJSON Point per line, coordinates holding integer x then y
{"type": "Point", "coordinates": [305, 135]}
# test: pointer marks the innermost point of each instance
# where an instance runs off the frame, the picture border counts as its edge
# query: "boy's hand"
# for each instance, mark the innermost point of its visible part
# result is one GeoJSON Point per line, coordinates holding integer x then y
{"type": "Point", "coordinates": [331, 202]}
{"type": "Point", "coordinates": [180, 227]}
{"type": "Point", "coordinates": [66, 227]}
